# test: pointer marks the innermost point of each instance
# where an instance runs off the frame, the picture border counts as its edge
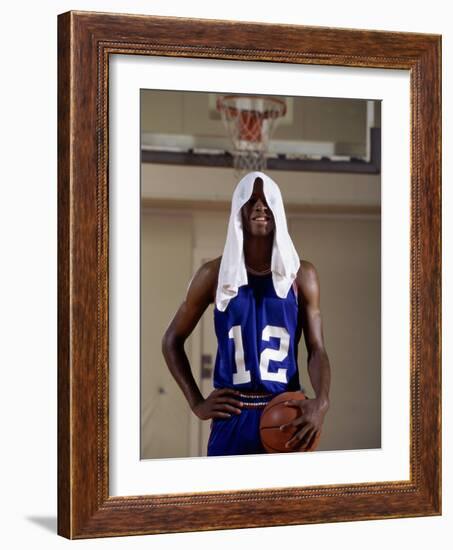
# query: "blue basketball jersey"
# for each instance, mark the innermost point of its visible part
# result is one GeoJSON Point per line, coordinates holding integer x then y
{"type": "Point", "coordinates": [257, 348]}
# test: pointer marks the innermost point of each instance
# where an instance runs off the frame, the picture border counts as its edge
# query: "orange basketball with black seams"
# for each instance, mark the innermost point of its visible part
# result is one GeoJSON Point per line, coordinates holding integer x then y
{"type": "Point", "coordinates": [273, 416]}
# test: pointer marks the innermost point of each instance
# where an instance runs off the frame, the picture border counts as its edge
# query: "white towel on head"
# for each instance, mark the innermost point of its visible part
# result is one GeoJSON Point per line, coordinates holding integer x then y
{"type": "Point", "coordinates": [285, 261]}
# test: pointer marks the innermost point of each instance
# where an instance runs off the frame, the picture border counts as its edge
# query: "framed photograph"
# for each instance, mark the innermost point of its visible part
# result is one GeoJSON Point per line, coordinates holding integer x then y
{"type": "Point", "coordinates": [249, 268]}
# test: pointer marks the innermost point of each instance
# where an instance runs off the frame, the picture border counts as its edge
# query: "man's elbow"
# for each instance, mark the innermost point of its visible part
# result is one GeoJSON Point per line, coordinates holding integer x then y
{"type": "Point", "coordinates": [166, 342]}
{"type": "Point", "coordinates": [169, 342]}
{"type": "Point", "coordinates": [318, 351]}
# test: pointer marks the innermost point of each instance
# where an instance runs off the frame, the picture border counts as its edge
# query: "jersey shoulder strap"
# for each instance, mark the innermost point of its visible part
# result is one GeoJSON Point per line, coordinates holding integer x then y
{"type": "Point", "coordinates": [295, 287]}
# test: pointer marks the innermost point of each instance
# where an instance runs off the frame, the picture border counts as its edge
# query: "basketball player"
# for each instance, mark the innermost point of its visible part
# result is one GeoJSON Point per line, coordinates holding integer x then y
{"type": "Point", "coordinates": [258, 329]}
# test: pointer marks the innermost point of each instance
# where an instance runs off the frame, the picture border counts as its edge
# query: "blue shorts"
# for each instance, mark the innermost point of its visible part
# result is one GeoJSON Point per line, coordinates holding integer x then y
{"type": "Point", "coordinates": [240, 433]}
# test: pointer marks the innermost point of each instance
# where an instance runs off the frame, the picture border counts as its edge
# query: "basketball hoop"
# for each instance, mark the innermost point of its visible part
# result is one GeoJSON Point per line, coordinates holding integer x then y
{"type": "Point", "coordinates": [250, 122]}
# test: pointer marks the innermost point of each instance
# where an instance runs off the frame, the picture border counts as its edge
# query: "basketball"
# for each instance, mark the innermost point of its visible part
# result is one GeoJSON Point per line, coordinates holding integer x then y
{"type": "Point", "coordinates": [274, 415]}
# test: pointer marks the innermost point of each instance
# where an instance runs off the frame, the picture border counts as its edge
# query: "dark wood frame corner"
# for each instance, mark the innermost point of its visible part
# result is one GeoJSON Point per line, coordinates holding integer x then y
{"type": "Point", "coordinates": [85, 42]}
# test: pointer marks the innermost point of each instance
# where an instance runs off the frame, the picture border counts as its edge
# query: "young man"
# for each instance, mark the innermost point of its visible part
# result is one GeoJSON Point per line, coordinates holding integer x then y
{"type": "Point", "coordinates": [264, 296]}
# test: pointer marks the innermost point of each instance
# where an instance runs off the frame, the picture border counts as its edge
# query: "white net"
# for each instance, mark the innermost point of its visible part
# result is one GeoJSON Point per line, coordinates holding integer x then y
{"type": "Point", "coordinates": [250, 122]}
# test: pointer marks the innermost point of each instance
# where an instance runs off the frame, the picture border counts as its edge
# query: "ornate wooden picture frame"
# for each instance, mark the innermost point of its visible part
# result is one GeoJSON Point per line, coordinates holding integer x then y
{"type": "Point", "coordinates": [85, 42]}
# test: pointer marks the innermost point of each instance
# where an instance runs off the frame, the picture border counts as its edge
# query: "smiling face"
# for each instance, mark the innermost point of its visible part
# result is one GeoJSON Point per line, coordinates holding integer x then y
{"type": "Point", "coordinates": [257, 217]}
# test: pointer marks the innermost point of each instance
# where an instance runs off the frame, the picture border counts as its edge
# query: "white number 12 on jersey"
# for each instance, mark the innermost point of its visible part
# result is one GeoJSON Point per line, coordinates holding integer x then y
{"type": "Point", "coordinates": [242, 376]}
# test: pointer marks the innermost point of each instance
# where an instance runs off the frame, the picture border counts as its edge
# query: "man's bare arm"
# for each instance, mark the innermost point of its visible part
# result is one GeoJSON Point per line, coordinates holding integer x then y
{"type": "Point", "coordinates": [313, 411]}
{"type": "Point", "coordinates": [309, 302]}
{"type": "Point", "coordinates": [200, 294]}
